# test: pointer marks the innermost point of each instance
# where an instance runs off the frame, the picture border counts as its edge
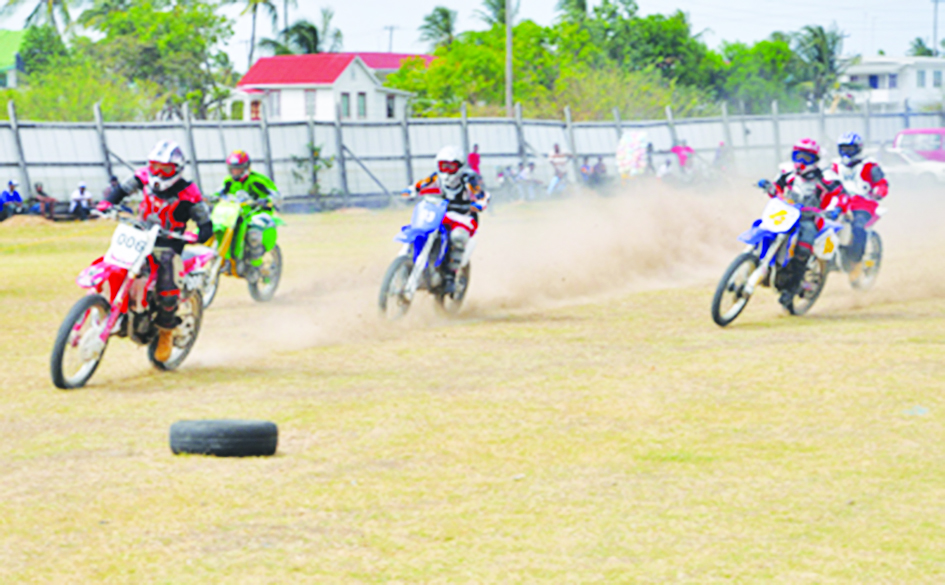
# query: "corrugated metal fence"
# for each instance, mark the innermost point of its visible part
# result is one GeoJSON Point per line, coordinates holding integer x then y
{"type": "Point", "coordinates": [371, 159]}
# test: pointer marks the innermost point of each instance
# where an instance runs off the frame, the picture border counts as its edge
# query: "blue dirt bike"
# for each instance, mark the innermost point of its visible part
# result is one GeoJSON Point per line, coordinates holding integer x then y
{"type": "Point", "coordinates": [421, 262]}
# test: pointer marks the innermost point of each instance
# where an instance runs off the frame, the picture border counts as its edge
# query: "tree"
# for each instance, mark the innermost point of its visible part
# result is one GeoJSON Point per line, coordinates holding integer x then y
{"type": "Point", "coordinates": [252, 7]}
{"type": "Point", "coordinates": [42, 48]}
{"type": "Point", "coordinates": [330, 38]}
{"type": "Point", "coordinates": [918, 48]}
{"type": "Point", "coordinates": [44, 12]}
{"type": "Point", "coordinates": [101, 9]}
{"type": "Point", "coordinates": [820, 50]}
{"type": "Point", "coordinates": [439, 27]}
{"type": "Point", "coordinates": [573, 10]}
{"type": "Point", "coordinates": [285, 10]}
{"type": "Point", "coordinates": [299, 39]}
{"type": "Point", "coordinates": [760, 73]}
{"type": "Point", "coordinates": [493, 12]}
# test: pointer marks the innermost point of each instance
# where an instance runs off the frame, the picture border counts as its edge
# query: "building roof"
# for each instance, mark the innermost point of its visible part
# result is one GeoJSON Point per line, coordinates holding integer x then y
{"type": "Point", "coordinates": [318, 69]}
{"type": "Point", "coordinates": [10, 41]}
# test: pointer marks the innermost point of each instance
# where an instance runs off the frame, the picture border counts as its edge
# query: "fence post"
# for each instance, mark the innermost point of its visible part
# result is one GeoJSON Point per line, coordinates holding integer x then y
{"type": "Point", "coordinates": [618, 123]}
{"type": "Point", "coordinates": [408, 156]}
{"type": "Point", "coordinates": [672, 125]}
{"type": "Point", "coordinates": [340, 150]}
{"type": "Point", "coordinates": [21, 157]}
{"type": "Point", "coordinates": [520, 134]}
{"type": "Point", "coordinates": [867, 122]}
{"type": "Point", "coordinates": [905, 115]}
{"type": "Point", "coordinates": [726, 127]}
{"type": "Point", "coordinates": [745, 131]}
{"type": "Point", "coordinates": [267, 146]}
{"type": "Point", "coordinates": [222, 137]}
{"type": "Point", "coordinates": [100, 127]}
{"type": "Point", "coordinates": [569, 126]}
{"type": "Point", "coordinates": [311, 153]}
{"type": "Point", "coordinates": [464, 121]}
{"type": "Point", "coordinates": [822, 120]}
{"type": "Point", "coordinates": [189, 129]}
{"type": "Point", "coordinates": [777, 132]}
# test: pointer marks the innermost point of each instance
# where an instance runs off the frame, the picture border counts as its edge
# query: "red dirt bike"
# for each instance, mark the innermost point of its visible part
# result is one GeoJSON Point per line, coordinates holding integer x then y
{"type": "Point", "coordinates": [121, 302]}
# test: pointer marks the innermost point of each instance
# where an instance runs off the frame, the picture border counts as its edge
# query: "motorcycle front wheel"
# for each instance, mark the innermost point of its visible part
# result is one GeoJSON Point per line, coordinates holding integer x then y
{"type": "Point", "coordinates": [392, 301]}
{"type": "Point", "coordinates": [78, 349]}
{"type": "Point", "coordinates": [454, 302]}
{"type": "Point", "coordinates": [212, 283]}
{"type": "Point", "coordinates": [729, 300]}
{"type": "Point", "coordinates": [190, 313]}
{"type": "Point", "coordinates": [872, 260]}
{"type": "Point", "coordinates": [815, 278]}
{"type": "Point", "coordinates": [270, 272]}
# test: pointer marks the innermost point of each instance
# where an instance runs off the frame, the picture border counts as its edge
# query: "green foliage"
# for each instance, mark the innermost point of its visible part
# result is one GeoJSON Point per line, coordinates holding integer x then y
{"type": "Point", "coordinates": [42, 48]}
{"type": "Point", "coordinates": [918, 48]}
{"type": "Point", "coordinates": [760, 73]}
{"type": "Point", "coordinates": [494, 11]}
{"type": "Point", "coordinates": [44, 12]}
{"type": "Point", "coordinates": [819, 49]}
{"type": "Point", "coordinates": [439, 27]}
{"type": "Point", "coordinates": [301, 38]}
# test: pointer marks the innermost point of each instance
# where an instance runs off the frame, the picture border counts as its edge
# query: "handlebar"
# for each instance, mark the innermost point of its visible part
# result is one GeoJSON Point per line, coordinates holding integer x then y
{"type": "Point", "coordinates": [114, 214]}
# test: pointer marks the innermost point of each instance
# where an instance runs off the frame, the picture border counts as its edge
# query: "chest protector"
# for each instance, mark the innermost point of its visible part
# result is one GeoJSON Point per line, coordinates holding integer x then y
{"type": "Point", "coordinates": [852, 177]}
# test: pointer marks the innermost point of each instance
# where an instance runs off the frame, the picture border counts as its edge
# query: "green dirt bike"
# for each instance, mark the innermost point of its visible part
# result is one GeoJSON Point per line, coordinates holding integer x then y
{"type": "Point", "coordinates": [232, 217]}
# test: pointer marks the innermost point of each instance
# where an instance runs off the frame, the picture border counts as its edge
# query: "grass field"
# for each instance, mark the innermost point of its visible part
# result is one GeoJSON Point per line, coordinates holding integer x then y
{"type": "Point", "coordinates": [582, 421]}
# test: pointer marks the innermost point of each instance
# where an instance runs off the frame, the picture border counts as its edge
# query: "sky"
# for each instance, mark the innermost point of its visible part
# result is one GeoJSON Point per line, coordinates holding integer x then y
{"type": "Point", "coordinates": [871, 25]}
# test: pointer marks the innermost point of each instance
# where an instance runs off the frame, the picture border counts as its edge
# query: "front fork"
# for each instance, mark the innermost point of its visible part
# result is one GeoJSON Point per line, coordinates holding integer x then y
{"type": "Point", "coordinates": [761, 272]}
{"type": "Point", "coordinates": [413, 281]}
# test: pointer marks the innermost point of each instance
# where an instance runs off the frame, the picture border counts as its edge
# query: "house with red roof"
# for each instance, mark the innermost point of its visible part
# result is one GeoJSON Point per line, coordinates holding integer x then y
{"type": "Point", "coordinates": [299, 87]}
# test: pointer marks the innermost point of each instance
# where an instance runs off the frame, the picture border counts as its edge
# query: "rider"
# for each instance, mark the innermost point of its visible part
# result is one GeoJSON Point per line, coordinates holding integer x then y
{"type": "Point", "coordinates": [461, 187]}
{"type": "Point", "coordinates": [169, 201]}
{"type": "Point", "coordinates": [258, 186]}
{"type": "Point", "coordinates": [803, 183]}
{"type": "Point", "coordinates": [865, 182]}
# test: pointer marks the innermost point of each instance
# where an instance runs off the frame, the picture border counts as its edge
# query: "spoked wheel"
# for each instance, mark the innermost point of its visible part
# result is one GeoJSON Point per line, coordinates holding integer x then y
{"type": "Point", "coordinates": [452, 303]}
{"type": "Point", "coordinates": [190, 313]}
{"type": "Point", "coordinates": [872, 260]}
{"type": "Point", "coordinates": [815, 278]}
{"type": "Point", "coordinates": [269, 274]}
{"type": "Point", "coordinates": [729, 299]}
{"type": "Point", "coordinates": [79, 348]}
{"type": "Point", "coordinates": [392, 301]}
{"type": "Point", "coordinates": [212, 282]}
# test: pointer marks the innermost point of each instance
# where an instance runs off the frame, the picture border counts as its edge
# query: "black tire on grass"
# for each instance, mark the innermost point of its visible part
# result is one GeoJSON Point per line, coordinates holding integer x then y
{"type": "Point", "coordinates": [225, 438]}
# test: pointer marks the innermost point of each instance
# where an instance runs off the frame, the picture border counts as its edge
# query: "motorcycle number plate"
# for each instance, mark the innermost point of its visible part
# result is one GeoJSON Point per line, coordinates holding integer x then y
{"type": "Point", "coordinates": [779, 217]}
{"type": "Point", "coordinates": [225, 214]}
{"type": "Point", "coordinates": [128, 244]}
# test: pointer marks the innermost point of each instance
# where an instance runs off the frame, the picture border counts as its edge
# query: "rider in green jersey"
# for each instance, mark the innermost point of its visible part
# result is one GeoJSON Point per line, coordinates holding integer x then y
{"type": "Point", "coordinates": [261, 189]}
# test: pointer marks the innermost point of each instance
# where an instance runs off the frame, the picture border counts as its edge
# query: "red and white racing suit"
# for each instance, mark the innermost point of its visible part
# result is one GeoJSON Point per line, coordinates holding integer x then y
{"type": "Point", "coordinates": [866, 184]}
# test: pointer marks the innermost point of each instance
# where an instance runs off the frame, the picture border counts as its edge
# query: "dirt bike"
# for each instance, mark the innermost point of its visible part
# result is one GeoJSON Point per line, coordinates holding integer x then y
{"type": "Point", "coordinates": [121, 301]}
{"type": "Point", "coordinates": [872, 254]}
{"type": "Point", "coordinates": [421, 262]}
{"type": "Point", "coordinates": [232, 216]}
{"type": "Point", "coordinates": [770, 244]}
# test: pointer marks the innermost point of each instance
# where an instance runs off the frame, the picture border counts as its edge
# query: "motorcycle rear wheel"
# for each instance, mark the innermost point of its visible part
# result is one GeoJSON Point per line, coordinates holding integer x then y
{"type": "Point", "coordinates": [270, 273]}
{"type": "Point", "coordinates": [872, 260]}
{"type": "Point", "coordinates": [190, 313]}
{"type": "Point", "coordinates": [84, 322]}
{"type": "Point", "coordinates": [815, 278]}
{"type": "Point", "coordinates": [391, 301]}
{"type": "Point", "coordinates": [729, 301]}
{"type": "Point", "coordinates": [453, 303]}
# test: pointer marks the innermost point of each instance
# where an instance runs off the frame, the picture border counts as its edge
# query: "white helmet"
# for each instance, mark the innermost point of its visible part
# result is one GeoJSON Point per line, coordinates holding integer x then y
{"type": "Point", "coordinates": [165, 164]}
{"type": "Point", "coordinates": [448, 162]}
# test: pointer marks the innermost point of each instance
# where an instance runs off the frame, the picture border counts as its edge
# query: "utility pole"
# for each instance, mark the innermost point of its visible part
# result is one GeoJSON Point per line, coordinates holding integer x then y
{"type": "Point", "coordinates": [509, 108]}
{"type": "Point", "coordinates": [935, 27]}
{"type": "Point", "coordinates": [390, 38]}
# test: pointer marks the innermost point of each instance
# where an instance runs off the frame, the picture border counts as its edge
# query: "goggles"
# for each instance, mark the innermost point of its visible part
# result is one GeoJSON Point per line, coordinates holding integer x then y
{"type": "Point", "coordinates": [449, 166]}
{"type": "Point", "coordinates": [803, 157]}
{"type": "Point", "coordinates": [848, 149]}
{"type": "Point", "coordinates": [163, 170]}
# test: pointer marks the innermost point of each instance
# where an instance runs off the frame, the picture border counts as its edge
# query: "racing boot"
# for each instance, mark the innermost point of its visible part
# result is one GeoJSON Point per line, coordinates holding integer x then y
{"type": "Point", "coordinates": [793, 277]}
{"type": "Point", "coordinates": [856, 271]}
{"type": "Point", "coordinates": [165, 344]}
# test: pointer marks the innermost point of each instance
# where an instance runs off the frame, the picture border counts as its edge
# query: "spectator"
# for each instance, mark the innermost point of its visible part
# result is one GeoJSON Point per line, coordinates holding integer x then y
{"type": "Point", "coordinates": [80, 203]}
{"type": "Point", "coordinates": [586, 171]}
{"type": "Point", "coordinates": [527, 181]}
{"type": "Point", "coordinates": [47, 204]}
{"type": "Point", "coordinates": [10, 201]}
{"type": "Point", "coordinates": [599, 172]}
{"type": "Point", "coordinates": [112, 185]}
{"type": "Point", "coordinates": [473, 159]}
{"type": "Point", "coordinates": [559, 163]}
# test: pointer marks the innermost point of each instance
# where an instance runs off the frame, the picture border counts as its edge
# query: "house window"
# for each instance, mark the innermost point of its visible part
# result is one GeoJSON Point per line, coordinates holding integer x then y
{"type": "Point", "coordinates": [275, 103]}
{"type": "Point", "coordinates": [391, 111]}
{"type": "Point", "coordinates": [874, 81]}
{"type": "Point", "coordinates": [936, 79]}
{"type": "Point", "coordinates": [362, 105]}
{"type": "Point", "coordinates": [920, 78]}
{"type": "Point", "coordinates": [310, 103]}
{"type": "Point", "coordinates": [254, 108]}
{"type": "Point", "coordinates": [854, 78]}
{"type": "Point", "coordinates": [346, 105]}
{"type": "Point", "coordinates": [893, 80]}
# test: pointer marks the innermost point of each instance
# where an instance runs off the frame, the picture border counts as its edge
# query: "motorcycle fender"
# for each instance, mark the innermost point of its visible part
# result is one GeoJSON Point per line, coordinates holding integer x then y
{"type": "Point", "coordinates": [269, 238]}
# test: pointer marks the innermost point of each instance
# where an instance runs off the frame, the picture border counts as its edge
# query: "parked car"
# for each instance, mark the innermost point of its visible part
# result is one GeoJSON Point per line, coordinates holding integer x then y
{"type": "Point", "coordinates": [907, 167]}
{"type": "Point", "coordinates": [926, 142]}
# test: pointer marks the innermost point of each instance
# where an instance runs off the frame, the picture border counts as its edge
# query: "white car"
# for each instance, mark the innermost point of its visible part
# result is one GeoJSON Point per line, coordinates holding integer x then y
{"type": "Point", "coordinates": [906, 167]}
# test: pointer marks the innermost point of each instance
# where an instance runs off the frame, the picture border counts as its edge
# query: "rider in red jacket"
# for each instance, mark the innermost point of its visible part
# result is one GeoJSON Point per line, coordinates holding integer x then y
{"type": "Point", "coordinates": [169, 201]}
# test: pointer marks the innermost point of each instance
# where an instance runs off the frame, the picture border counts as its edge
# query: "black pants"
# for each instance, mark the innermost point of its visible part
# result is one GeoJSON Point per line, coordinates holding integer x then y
{"type": "Point", "coordinates": [858, 245]}
{"type": "Point", "coordinates": [168, 293]}
{"type": "Point", "coordinates": [81, 213]}
{"type": "Point", "coordinates": [794, 271]}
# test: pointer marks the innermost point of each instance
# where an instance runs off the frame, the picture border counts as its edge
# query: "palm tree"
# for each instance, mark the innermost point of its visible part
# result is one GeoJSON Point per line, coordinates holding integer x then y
{"type": "Point", "coordinates": [329, 37]}
{"type": "Point", "coordinates": [918, 48]}
{"type": "Point", "coordinates": [494, 12]}
{"type": "Point", "coordinates": [439, 27]}
{"type": "Point", "coordinates": [43, 13]}
{"type": "Point", "coordinates": [252, 7]}
{"type": "Point", "coordinates": [285, 10]}
{"type": "Point", "coordinates": [820, 50]}
{"type": "Point", "coordinates": [299, 39]}
{"type": "Point", "coordinates": [574, 10]}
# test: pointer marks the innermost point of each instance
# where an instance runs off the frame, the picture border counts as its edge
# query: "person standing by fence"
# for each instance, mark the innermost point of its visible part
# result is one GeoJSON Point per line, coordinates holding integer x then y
{"type": "Point", "coordinates": [472, 161]}
{"type": "Point", "coordinates": [47, 204]}
{"type": "Point", "coordinates": [559, 164]}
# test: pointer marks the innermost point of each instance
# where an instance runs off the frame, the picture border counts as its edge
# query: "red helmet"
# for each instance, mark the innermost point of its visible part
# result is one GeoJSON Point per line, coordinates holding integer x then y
{"type": "Point", "coordinates": [238, 164]}
{"type": "Point", "coordinates": [805, 155]}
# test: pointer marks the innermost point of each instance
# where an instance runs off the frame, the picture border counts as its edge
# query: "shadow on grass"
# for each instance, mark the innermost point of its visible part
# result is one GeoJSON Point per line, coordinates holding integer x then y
{"type": "Point", "coordinates": [187, 379]}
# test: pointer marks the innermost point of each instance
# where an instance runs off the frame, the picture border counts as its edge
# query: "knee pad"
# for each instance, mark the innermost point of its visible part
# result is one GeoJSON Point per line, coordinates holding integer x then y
{"type": "Point", "coordinates": [459, 237]}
